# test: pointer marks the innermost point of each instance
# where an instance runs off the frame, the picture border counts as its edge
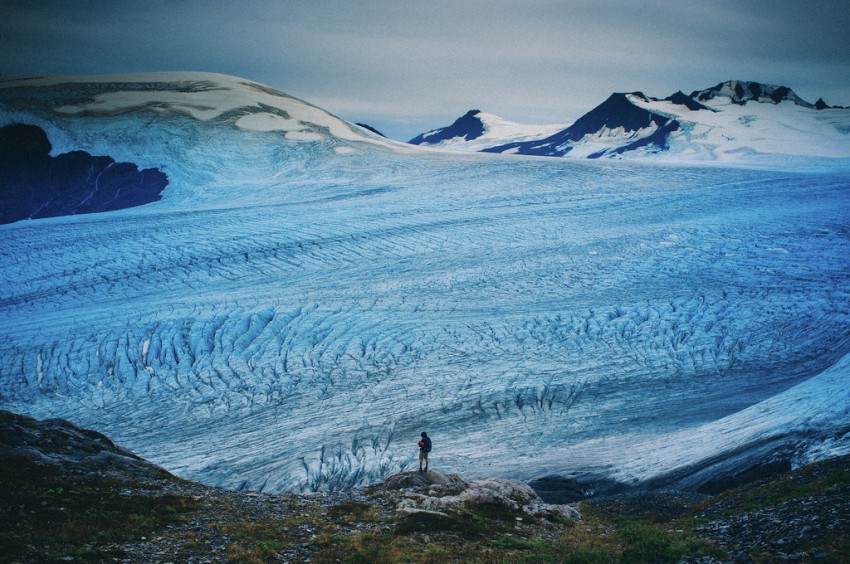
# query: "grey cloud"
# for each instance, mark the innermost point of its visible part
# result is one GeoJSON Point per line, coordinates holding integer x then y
{"type": "Point", "coordinates": [383, 60]}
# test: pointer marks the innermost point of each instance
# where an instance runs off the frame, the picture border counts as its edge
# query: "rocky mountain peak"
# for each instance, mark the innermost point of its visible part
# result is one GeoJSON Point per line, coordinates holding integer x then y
{"type": "Point", "coordinates": [469, 126]}
{"type": "Point", "coordinates": [740, 92]}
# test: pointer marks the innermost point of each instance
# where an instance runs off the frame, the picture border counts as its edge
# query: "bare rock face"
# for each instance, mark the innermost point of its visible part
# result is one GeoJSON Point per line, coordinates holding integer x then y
{"type": "Point", "coordinates": [34, 184]}
{"type": "Point", "coordinates": [442, 494]}
{"type": "Point", "coordinates": [73, 449]}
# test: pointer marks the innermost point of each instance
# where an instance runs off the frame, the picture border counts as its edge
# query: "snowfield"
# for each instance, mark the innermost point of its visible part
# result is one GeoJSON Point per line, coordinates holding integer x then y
{"type": "Point", "coordinates": [306, 299]}
{"type": "Point", "coordinates": [735, 132]}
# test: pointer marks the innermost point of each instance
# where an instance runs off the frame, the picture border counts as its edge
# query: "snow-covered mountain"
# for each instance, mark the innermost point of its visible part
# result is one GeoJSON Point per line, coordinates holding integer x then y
{"type": "Point", "coordinates": [616, 126]}
{"type": "Point", "coordinates": [734, 120]}
{"type": "Point", "coordinates": [208, 133]}
{"type": "Point", "coordinates": [305, 297]}
{"type": "Point", "coordinates": [476, 131]}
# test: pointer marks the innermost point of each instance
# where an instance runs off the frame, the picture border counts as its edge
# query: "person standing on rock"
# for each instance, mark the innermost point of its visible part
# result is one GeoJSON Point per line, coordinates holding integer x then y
{"type": "Point", "coordinates": [424, 449]}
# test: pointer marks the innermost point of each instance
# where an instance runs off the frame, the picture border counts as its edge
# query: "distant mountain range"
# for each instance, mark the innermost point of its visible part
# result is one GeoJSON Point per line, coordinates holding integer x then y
{"type": "Point", "coordinates": [731, 120]}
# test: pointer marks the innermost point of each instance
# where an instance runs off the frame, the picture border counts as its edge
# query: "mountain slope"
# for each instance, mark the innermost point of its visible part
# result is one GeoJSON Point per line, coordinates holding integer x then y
{"type": "Point", "coordinates": [476, 130]}
{"type": "Point", "coordinates": [614, 127]}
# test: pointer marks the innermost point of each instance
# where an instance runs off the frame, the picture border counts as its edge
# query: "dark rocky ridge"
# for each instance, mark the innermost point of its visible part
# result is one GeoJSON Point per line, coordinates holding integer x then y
{"type": "Point", "coordinates": [57, 442]}
{"type": "Point", "coordinates": [745, 91]}
{"type": "Point", "coordinates": [468, 127]}
{"type": "Point", "coordinates": [822, 105]}
{"type": "Point", "coordinates": [682, 99]}
{"type": "Point", "coordinates": [370, 128]}
{"type": "Point", "coordinates": [35, 185]}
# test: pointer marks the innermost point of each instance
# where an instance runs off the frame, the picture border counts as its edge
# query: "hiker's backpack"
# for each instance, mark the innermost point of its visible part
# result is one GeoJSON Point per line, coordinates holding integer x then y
{"type": "Point", "coordinates": [427, 444]}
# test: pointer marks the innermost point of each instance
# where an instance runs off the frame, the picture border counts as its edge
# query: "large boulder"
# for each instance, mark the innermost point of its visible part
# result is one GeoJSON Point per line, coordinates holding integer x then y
{"type": "Point", "coordinates": [443, 494]}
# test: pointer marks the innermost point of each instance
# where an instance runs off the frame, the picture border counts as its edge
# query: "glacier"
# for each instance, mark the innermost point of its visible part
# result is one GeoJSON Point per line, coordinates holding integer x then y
{"type": "Point", "coordinates": [306, 298]}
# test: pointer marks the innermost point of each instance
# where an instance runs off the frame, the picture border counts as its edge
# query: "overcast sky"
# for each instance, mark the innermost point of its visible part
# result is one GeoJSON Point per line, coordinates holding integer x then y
{"type": "Point", "coordinates": [405, 67]}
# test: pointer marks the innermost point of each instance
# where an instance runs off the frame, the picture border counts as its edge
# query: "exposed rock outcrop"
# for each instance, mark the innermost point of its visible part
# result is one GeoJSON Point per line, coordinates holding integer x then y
{"type": "Point", "coordinates": [442, 494]}
{"type": "Point", "coordinates": [35, 185]}
{"type": "Point", "coordinates": [61, 443]}
{"type": "Point", "coordinates": [467, 127]}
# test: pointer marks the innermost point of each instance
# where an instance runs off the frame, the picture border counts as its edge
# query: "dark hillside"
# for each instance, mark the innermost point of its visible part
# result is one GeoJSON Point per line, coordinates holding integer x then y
{"type": "Point", "coordinates": [34, 184]}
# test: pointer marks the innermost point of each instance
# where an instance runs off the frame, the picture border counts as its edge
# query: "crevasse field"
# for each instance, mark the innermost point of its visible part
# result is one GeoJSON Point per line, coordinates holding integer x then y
{"type": "Point", "coordinates": [301, 305]}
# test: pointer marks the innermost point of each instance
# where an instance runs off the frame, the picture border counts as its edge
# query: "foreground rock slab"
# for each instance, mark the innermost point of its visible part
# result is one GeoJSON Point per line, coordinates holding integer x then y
{"type": "Point", "coordinates": [441, 494]}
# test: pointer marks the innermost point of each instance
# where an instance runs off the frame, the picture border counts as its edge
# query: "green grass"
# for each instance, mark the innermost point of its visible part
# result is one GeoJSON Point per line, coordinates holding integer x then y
{"type": "Point", "coordinates": [256, 541]}
{"type": "Point", "coordinates": [475, 521]}
{"type": "Point", "coordinates": [785, 488]}
{"type": "Point", "coordinates": [514, 543]}
{"type": "Point", "coordinates": [647, 542]}
{"type": "Point", "coordinates": [353, 511]}
{"type": "Point", "coordinates": [430, 523]}
{"type": "Point", "coordinates": [489, 532]}
{"type": "Point", "coordinates": [47, 515]}
{"type": "Point", "coordinates": [495, 511]}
